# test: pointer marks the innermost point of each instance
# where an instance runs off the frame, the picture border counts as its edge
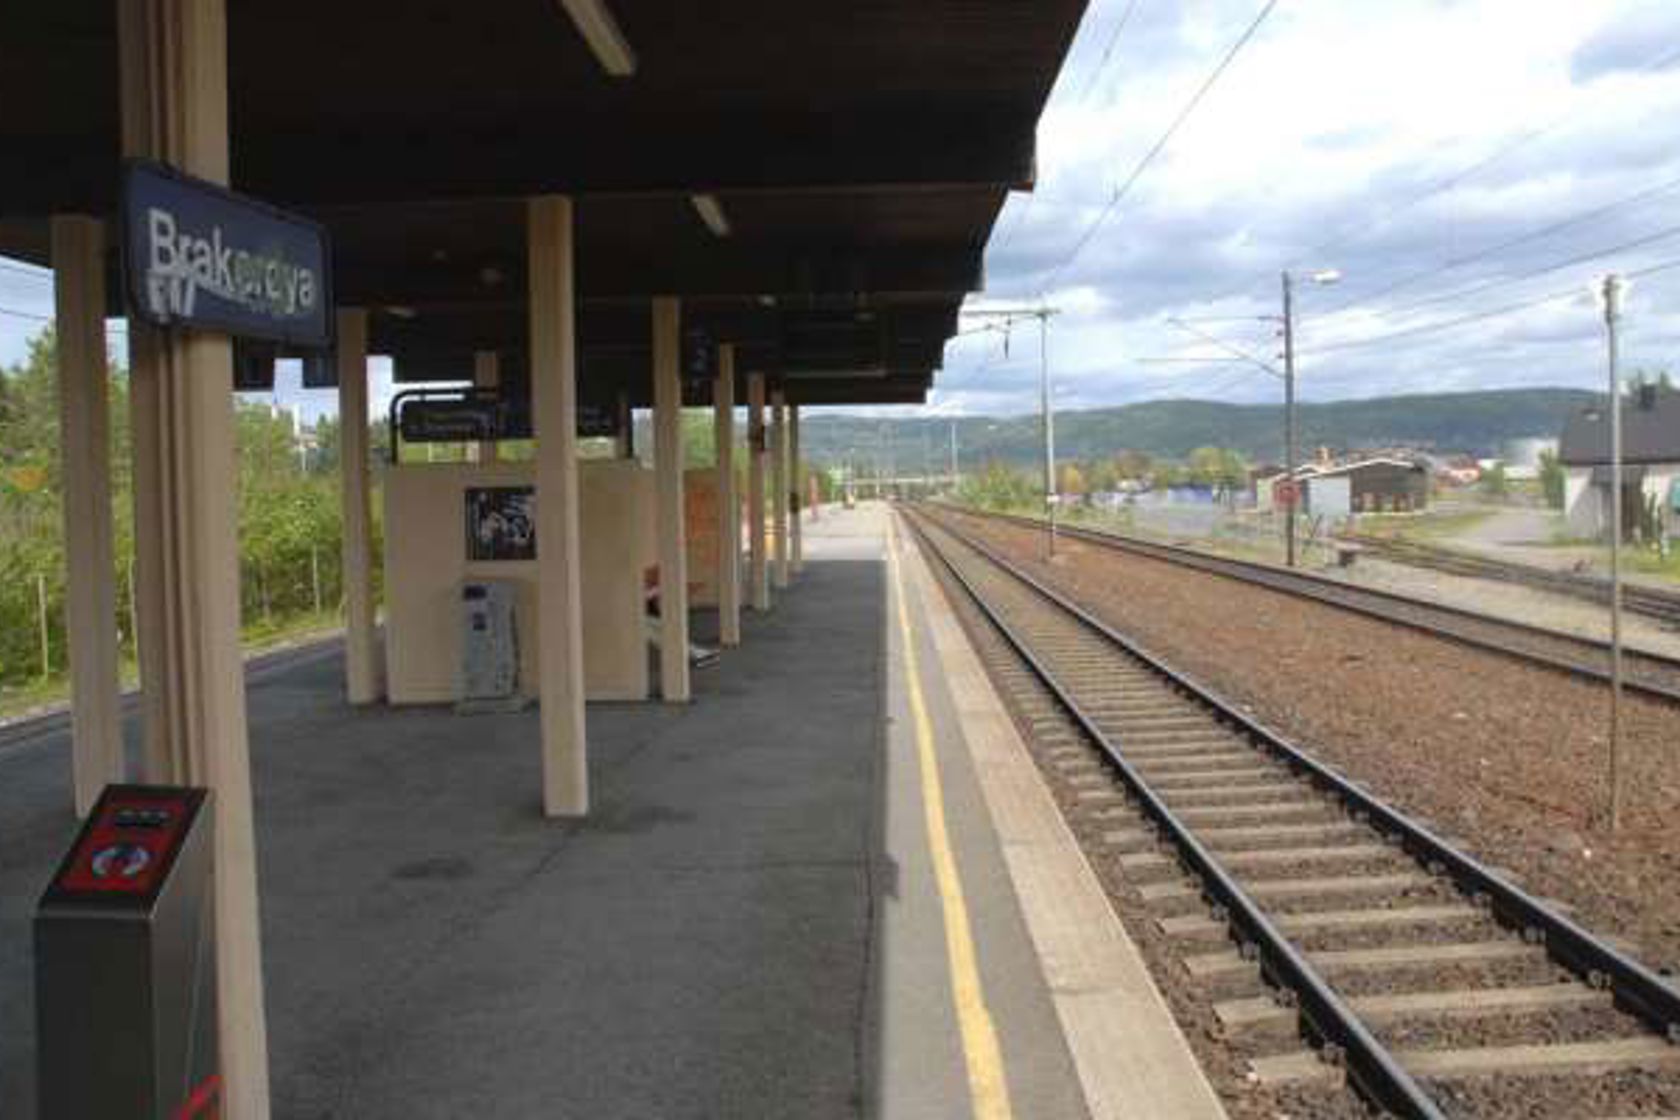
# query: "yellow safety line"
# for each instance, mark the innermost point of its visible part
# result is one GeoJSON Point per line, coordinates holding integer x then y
{"type": "Point", "coordinates": [987, 1083]}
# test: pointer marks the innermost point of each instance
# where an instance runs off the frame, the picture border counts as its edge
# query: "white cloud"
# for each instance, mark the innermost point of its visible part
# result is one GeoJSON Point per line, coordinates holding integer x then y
{"type": "Point", "coordinates": [1385, 138]}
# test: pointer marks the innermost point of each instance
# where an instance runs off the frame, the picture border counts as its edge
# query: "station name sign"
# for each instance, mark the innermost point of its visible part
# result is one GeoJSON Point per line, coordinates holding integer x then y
{"type": "Point", "coordinates": [197, 255]}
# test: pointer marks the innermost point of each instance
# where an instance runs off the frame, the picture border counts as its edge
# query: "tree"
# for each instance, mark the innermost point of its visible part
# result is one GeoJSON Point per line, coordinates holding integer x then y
{"type": "Point", "coordinates": [1070, 480]}
{"type": "Point", "coordinates": [999, 486]}
{"type": "Point", "coordinates": [1552, 478]}
{"type": "Point", "coordinates": [1132, 465]}
{"type": "Point", "coordinates": [1101, 476]}
{"type": "Point", "coordinates": [1493, 481]}
{"type": "Point", "coordinates": [1217, 467]}
{"type": "Point", "coordinates": [1164, 475]}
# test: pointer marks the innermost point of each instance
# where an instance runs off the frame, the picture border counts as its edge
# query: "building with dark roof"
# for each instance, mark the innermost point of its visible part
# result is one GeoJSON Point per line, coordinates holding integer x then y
{"type": "Point", "coordinates": [1650, 457]}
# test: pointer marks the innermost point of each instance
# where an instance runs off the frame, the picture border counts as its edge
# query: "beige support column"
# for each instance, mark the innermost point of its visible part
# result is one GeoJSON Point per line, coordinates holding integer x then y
{"type": "Point", "coordinates": [728, 504]}
{"type": "Point", "coordinates": [554, 426]}
{"type": "Point", "coordinates": [758, 570]}
{"type": "Point", "coordinates": [84, 423]}
{"type": "Point", "coordinates": [625, 443]}
{"type": "Point", "coordinates": [487, 374]}
{"type": "Point", "coordinates": [362, 684]}
{"type": "Point", "coordinates": [779, 487]}
{"type": "Point", "coordinates": [173, 57]}
{"type": "Point", "coordinates": [796, 493]}
{"type": "Point", "coordinates": [668, 482]}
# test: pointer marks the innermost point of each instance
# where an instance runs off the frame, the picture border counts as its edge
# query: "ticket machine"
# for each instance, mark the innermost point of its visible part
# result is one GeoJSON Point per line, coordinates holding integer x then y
{"type": "Point", "coordinates": [125, 964]}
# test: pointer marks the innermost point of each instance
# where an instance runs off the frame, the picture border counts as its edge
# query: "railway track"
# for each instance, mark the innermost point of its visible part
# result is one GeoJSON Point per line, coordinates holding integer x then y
{"type": "Point", "coordinates": [1304, 908]}
{"type": "Point", "coordinates": [1645, 673]}
{"type": "Point", "coordinates": [1652, 602]}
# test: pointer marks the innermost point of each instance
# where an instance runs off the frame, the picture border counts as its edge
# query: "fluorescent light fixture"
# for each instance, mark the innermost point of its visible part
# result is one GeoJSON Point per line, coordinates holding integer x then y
{"type": "Point", "coordinates": [711, 212]}
{"type": "Point", "coordinates": [400, 311]}
{"type": "Point", "coordinates": [601, 31]}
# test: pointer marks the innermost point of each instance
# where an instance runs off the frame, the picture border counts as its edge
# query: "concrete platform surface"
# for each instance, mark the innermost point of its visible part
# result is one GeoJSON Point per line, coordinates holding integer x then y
{"type": "Point", "coordinates": [750, 923]}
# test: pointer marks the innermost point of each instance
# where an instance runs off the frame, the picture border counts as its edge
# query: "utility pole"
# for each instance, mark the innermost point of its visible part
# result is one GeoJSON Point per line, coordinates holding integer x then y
{"type": "Point", "coordinates": [1612, 320]}
{"type": "Point", "coordinates": [1290, 451]}
{"type": "Point", "coordinates": [1005, 318]}
{"type": "Point", "coordinates": [1051, 498]}
{"type": "Point", "coordinates": [954, 472]}
{"type": "Point", "coordinates": [46, 626]}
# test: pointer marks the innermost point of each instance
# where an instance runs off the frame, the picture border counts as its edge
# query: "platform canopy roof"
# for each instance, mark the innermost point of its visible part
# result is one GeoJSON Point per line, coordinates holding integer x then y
{"type": "Point", "coordinates": [858, 153]}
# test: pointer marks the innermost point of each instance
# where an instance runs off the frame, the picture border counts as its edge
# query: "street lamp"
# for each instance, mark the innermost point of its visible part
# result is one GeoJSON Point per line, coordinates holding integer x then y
{"type": "Point", "coordinates": [1322, 277]}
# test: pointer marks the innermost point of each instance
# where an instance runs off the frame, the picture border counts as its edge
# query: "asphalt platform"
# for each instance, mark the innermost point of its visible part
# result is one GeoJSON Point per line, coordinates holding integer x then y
{"type": "Point", "coordinates": [747, 924]}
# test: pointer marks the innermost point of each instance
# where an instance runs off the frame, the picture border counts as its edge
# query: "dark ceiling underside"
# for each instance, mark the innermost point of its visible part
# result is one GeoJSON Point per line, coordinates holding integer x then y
{"type": "Point", "coordinates": [860, 151]}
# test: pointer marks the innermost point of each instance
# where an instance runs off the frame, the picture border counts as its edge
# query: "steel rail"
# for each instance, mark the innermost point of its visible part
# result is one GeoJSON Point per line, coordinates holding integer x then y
{"type": "Point", "coordinates": [1336, 594]}
{"type": "Point", "coordinates": [1635, 987]}
{"type": "Point", "coordinates": [1368, 1064]}
{"type": "Point", "coordinates": [1651, 601]}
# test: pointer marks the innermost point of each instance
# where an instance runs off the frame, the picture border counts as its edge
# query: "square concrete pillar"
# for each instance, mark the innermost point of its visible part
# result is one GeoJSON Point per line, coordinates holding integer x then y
{"type": "Point", "coordinates": [779, 487]}
{"type": "Point", "coordinates": [668, 484]}
{"type": "Point", "coordinates": [624, 444]}
{"type": "Point", "coordinates": [560, 688]}
{"type": "Point", "coordinates": [728, 505]}
{"type": "Point", "coordinates": [796, 543]}
{"type": "Point", "coordinates": [758, 582]}
{"type": "Point", "coordinates": [362, 676]}
{"type": "Point", "coordinates": [84, 411]}
{"type": "Point", "coordinates": [173, 59]}
{"type": "Point", "coordinates": [487, 374]}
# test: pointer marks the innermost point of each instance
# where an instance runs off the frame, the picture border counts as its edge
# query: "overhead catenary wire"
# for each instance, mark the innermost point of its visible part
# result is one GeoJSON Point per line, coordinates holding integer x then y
{"type": "Point", "coordinates": [1480, 316]}
{"type": "Point", "coordinates": [1119, 193]}
{"type": "Point", "coordinates": [1023, 213]}
{"type": "Point", "coordinates": [1353, 232]}
{"type": "Point", "coordinates": [1108, 52]}
{"type": "Point", "coordinates": [1506, 281]}
{"type": "Point", "coordinates": [34, 272]}
{"type": "Point", "coordinates": [1579, 218]}
{"type": "Point", "coordinates": [36, 316]}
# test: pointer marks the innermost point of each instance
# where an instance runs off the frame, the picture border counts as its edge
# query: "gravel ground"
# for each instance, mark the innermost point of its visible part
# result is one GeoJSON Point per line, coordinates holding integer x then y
{"type": "Point", "coordinates": [1225, 1055]}
{"type": "Point", "coordinates": [1506, 758]}
{"type": "Point", "coordinates": [1224, 1061]}
{"type": "Point", "coordinates": [1509, 600]}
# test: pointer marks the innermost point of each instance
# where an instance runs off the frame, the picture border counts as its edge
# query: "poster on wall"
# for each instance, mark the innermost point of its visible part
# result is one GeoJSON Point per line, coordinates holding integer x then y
{"type": "Point", "coordinates": [501, 523]}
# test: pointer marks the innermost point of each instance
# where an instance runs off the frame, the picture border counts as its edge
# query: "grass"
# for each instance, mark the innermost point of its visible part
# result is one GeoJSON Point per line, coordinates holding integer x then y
{"type": "Point", "coordinates": [1432, 525]}
{"type": "Point", "coordinates": [259, 635]}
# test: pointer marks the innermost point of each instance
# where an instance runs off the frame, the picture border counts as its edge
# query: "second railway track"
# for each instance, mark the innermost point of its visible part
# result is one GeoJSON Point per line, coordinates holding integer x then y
{"type": "Point", "coordinates": [1645, 673]}
{"type": "Point", "coordinates": [1437, 987]}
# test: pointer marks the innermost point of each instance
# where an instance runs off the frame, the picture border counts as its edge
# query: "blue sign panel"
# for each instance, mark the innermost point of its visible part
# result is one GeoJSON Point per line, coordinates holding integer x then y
{"type": "Point", "coordinates": [199, 256]}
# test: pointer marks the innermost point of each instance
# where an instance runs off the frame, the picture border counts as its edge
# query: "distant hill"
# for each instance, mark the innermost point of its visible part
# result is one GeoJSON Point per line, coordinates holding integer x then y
{"type": "Point", "coordinates": [1472, 423]}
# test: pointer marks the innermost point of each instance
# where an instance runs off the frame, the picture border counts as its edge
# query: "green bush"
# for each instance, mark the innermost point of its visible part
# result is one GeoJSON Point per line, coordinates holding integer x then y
{"type": "Point", "coordinates": [289, 523]}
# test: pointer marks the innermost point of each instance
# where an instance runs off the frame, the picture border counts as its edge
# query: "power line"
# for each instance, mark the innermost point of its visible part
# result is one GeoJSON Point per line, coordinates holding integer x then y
{"type": "Point", "coordinates": [1479, 316]}
{"type": "Point", "coordinates": [26, 314]}
{"type": "Point", "coordinates": [1506, 281]}
{"type": "Point", "coordinates": [1108, 52]}
{"type": "Point", "coordinates": [34, 272]}
{"type": "Point", "coordinates": [1570, 222]}
{"type": "Point", "coordinates": [1238, 351]}
{"type": "Point", "coordinates": [1119, 193]}
{"type": "Point", "coordinates": [1447, 183]}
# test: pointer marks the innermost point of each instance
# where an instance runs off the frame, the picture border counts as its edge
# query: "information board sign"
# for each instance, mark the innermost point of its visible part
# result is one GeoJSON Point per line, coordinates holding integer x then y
{"type": "Point", "coordinates": [197, 255]}
{"type": "Point", "coordinates": [501, 523]}
{"type": "Point", "coordinates": [450, 419]}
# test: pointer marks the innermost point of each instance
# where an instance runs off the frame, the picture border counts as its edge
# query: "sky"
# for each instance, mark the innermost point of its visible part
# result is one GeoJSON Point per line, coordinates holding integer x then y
{"type": "Point", "coordinates": [1454, 160]}
{"type": "Point", "coordinates": [1422, 149]}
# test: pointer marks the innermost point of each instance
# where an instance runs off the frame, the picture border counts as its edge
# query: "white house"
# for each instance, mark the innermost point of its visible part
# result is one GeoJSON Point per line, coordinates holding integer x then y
{"type": "Point", "coordinates": [1650, 458]}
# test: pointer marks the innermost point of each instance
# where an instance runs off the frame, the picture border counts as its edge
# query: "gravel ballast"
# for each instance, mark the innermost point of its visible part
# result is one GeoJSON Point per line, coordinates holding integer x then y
{"type": "Point", "coordinates": [1506, 758]}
